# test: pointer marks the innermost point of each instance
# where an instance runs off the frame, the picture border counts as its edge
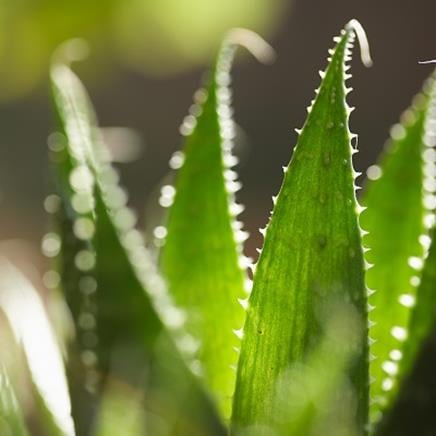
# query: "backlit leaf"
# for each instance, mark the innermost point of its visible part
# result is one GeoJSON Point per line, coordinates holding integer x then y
{"type": "Point", "coordinates": [397, 197]}
{"type": "Point", "coordinates": [422, 320]}
{"type": "Point", "coordinates": [11, 417]}
{"type": "Point", "coordinates": [128, 299]}
{"type": "Point", "coordinates": [29, 323]}
{"type": "Point", "coordinates": [311, 260]}
{"type": "Point", "coordinates": [314, 397]}
{"type": "Point", "coordinates": [202, 258]}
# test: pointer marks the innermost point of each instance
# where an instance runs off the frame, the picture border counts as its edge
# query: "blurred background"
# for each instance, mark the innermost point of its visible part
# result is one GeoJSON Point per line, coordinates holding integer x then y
{"type": "Point", "coordinates": [147, 57]}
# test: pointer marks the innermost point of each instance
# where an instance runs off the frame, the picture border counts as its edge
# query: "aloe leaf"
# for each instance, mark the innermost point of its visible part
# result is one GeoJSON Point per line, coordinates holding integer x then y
{"type": "Point", "coordinates": [423, 317]}
{"type": "Point", "coordinates": [72, 209]}
{"type": "Point", "coordinates": [314, 398]}
{"type": "Point", "coordinates": [397, 197]}
{"type": "Point", "coordinates": [422, 329]}
{"type": "Point", "coordinates": [202, 258]}
{"type": "Point", "coordinates": [135, 321]}
{"type": "Point", "coordinates": [11, 416]}
{"type": "Point", "coordinates": [29, 323]}
{"type": "Point", "coordinates": [311, 256]}
{"type": "Point", "coordinates": [422, 320]}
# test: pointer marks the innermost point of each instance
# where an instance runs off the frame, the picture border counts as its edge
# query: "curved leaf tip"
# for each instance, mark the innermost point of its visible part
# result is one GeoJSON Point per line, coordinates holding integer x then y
{"type": "Point", "coordinates": [355, 26]}
{"type": "Point", "coordinates": [202, 255]}
{"type": "Point", "coordinates": [72, 50]}
{"type": "Point", "coordinates": [253, 42]}
{"type": "Point", "coordinates": [311, 256]}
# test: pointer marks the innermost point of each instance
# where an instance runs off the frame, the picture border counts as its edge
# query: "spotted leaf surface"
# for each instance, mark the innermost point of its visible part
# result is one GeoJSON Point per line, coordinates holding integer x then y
{"type": "Point", "coordinates": [398, 196]}
{"type": "Point", "coordinates": [311, 263]}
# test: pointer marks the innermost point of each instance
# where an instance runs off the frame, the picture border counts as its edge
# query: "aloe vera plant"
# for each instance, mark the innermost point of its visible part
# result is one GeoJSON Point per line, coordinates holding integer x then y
{"type": "Point", "coordinates": [317, 339]}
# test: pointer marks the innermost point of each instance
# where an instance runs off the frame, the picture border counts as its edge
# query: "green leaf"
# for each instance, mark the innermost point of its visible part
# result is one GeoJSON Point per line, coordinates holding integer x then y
{"type": "Point", "coordinates": [11, 417]}
{"type": "Point", "coordinates": [314, 398]}
{"type": "Point", "coordinates": [395, 221]}
{"type": "Point", "coordinates": [25, 312]}
{"type": "Point", "coordinates": [122, 293]}
{"type": "Point", "coordinates": [422, 329]}
{"type": "Point", "coordinates": [404, 388]}
{"type": "Point", "coordinates": [422, 319]}
{"type": "Point", "coordinates": [202, 258]}
{"type": "Point", "coordinates": [72, 209]}
{"type": "Point", "coordinates": [311, 258]}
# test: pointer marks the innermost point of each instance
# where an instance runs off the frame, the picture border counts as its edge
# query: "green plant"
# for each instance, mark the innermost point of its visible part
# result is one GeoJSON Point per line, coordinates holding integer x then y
{"type": "Point", "coordinates": [156, 344]}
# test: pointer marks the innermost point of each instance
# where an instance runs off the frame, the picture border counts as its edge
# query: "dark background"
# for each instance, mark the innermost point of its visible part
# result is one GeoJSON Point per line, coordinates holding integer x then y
{"type": "Point", "coordinates": [269, 101]}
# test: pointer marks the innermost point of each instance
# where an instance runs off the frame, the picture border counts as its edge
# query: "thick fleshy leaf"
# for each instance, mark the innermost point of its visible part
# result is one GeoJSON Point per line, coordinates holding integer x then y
{"type": "Point", "coordinates": [124, 301]}
{"type": "Point", "coordinates": [73, 269]}
{"type": "Point", "coordinates": [312, 258]}
{"type": "Point", "coordinates": [29, 323]}
{"type": "Point", "coordinates": [11, 416]}
{"type": "Point", "coordinates": [314, 397]}
{"type": "Point", "coordinates": [396, 197]}
{"type": "Point", "coordinates": [202, 259]}
{"type": "Point", "coordinates": [422, 330]}
{"type": "Point", "coordinates": [422, 323]}
{"type": "Point", "coordinates": [423, 318]}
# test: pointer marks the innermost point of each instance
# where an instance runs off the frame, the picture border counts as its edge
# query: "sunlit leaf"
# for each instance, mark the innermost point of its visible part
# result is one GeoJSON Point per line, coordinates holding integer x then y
{"type": "Point", "coordinates": [202, 258]}
{"type": "Point", "coordinates": [397, 196]}
{"type": "Point", "coordinates": [423, 317]}
{"type": "Point", "coordinates": [11, 417]}
{"type": "Point", "coordinates": [73, 213]}
{"type": "Point", "coordinates": [129, 304]}
{"type": "Point", "coordinates": [312, 257]}
{"type": "Point", "coordinates": [26, 315]}
{"type": "Point", "coordinates": [314, 397]}
{"type": "Point", "coordinates": [422, 328]}
{"type": "Point", "coordinates": [422, 321]}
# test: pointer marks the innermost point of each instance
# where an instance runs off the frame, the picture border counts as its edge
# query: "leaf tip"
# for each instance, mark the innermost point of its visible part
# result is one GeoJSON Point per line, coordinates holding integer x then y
{"type": "Point", "coordinates": [72, 50]}
{"type": "Point", "coordinates": [355, 27]}
{"type": "Point", "coordinates": [254, 43]}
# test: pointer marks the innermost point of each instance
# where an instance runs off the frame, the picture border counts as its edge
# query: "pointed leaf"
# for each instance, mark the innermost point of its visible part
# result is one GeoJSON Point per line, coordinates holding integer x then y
{"type": "Point", "coordinates": [422, 320]}
{"type": "Point", "coordinates": [396, 197]}
{"type": "Point", "coordinates": [26, 315]}
{"type": "Point", "coordinates": [311, 258]}
{"type": "Point", "coordinates": [118, 275]}
{"type": "Point", "coordinates": [202, 258]}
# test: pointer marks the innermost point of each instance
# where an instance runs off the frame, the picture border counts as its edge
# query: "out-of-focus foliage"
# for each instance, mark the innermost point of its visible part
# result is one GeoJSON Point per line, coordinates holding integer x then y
{"type": "Point", "coordinates": [131, 318]}
{"type": "Point", "coordinates": [303, 364]}
{"type": "Point", "coordinates": [121, 411]}
{"type": "Point", "coordinates": [35, 361]}
{"type": "Point", "coordinates": [159, 36]}
{"type": "Point", "coordinates": [11, 419]}
{"type": "Point", "coordinates": [403, 168]}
